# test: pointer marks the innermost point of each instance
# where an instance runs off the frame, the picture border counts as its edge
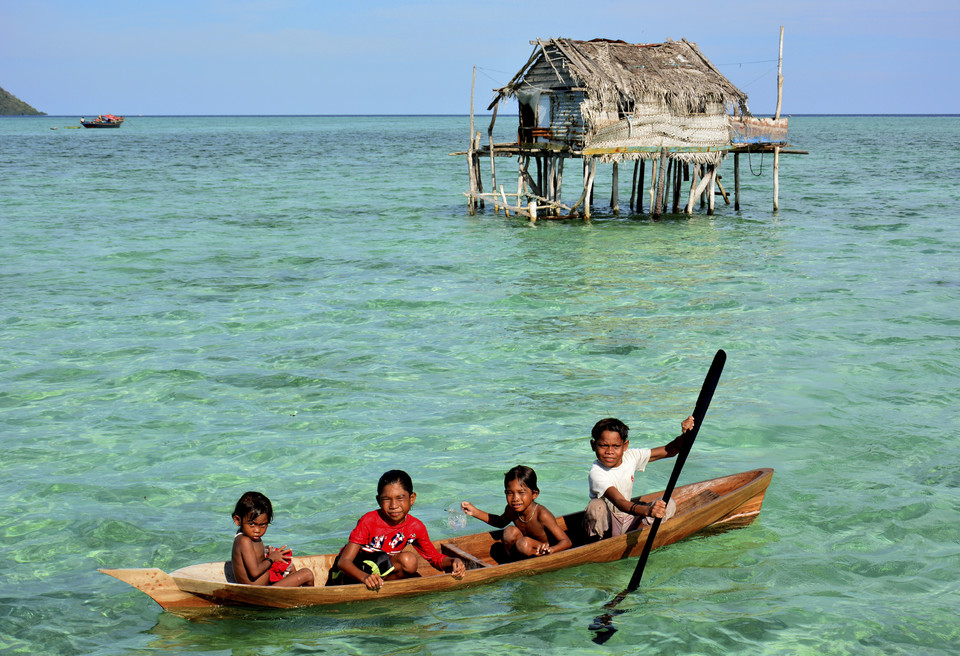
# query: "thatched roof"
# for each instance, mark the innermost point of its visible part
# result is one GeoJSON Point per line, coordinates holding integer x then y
{"type": "Point", "coordinates": [675, 72]}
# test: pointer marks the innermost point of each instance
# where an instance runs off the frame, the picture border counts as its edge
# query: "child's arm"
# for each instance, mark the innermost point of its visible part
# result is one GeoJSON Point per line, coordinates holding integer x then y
{"type": "Point", "coordinates": [657, 509]}
{"type": "Point", "coordinates": [494, 520]}
{"type": "Point", "coordinates": [550, 525]}
{"type": "Point", "coordinates": [673, 448]}
{"type": "Point", "coordinates": [454, 566]}
{"type": "Point", "coordinates": [425, 548]}
{"type": "Point", "coordinates": [248, 566]}
{"type": "Point", "coordinates": [345, 564]}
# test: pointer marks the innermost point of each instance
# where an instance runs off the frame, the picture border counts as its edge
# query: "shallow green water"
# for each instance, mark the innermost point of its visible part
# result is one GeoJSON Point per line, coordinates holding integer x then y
{"type": "Point", "coordinates": [194, 307]}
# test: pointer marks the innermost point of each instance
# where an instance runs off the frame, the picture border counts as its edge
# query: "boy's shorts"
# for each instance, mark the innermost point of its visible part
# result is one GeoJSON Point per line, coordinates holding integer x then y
{"type": "Point", "coordinates": [600, 520]}
{"type": "Point", "coordinates": [367, 562]}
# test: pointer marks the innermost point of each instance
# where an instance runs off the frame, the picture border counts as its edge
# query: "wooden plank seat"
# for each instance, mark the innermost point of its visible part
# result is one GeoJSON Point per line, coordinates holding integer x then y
{"type": "Point", "coordinates": [471, 561]}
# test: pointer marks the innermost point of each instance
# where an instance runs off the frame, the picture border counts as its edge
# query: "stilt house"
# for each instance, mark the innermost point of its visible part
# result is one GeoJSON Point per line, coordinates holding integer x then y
{"type": "Point", "coordinates": [610, 102]}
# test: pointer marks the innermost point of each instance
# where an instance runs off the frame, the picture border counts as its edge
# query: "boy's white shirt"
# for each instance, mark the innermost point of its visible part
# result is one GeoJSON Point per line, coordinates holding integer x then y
{"type": "Point", "coordinates": [621, 477]}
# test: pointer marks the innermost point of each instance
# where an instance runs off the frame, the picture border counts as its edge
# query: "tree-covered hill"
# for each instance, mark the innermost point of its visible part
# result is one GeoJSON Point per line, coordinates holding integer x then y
{"type": "Point", "coordinates": [10, 105]}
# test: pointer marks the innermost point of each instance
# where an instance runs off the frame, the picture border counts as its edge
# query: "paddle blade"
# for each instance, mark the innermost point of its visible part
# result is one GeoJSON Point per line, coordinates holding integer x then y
{"type": "Point", "coordinates": [709, 387]}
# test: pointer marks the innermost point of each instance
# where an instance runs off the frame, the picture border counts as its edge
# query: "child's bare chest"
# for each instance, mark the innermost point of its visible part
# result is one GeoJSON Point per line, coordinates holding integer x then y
{"type": "Point", "coordinates": [531, 528]}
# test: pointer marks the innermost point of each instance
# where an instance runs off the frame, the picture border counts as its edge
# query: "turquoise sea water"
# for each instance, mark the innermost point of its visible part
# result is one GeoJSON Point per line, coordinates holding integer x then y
{"type": "Point", "coordinates": [194, 307]}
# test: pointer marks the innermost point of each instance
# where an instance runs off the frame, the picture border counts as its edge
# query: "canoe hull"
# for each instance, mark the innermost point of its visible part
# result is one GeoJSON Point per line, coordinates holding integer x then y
{"type": "Point", "coordinates": [729, 501]}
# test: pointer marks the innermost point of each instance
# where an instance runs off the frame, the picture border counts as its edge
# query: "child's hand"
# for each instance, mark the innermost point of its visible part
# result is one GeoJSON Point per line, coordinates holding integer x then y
{"type": "Point", "coordinates": [687, 424]}
{"type": "Point", "coordinates": [459, 569]}
{"type": "Point", "coordinates": [468, 508]}
{"type": "Point", "coordinates": [658, 509]}
{"type": "Point", "coordinates": [373, 582]}
{"type": "Point", "coordinates": [542, 549]}
{"type": "Point", "coordinates": [283, 553]}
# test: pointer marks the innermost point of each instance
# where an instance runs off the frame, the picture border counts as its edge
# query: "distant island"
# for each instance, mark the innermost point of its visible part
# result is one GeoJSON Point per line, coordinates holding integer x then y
{"type": "Point", "coordinates": [10, 105]}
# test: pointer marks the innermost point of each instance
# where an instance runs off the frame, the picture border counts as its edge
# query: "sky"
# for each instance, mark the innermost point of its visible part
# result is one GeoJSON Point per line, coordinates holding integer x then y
{"type": "Point", "coordinates": [276, 57]}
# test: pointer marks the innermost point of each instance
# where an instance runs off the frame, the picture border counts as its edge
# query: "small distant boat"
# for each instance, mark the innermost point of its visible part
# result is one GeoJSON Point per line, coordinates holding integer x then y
{"type": "Point", "coordinates": [725, 502]}
{"type": "Point", "coordinates": [102, 121]}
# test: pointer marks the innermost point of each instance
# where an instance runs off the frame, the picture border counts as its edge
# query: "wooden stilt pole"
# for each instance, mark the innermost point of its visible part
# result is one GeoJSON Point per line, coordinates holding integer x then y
{"type": "Point", "coordinates": [583, 195]}
{"type": "Point", "coordinates": [776, 178]}
{"type": "Point", "coordinates": [559, 180]}
{"type": "Point", "coordinates": [614, 193]}
{"type": "Point", "coordinates": [493, 168]}
{"type": "Point", "coordinates": [667, 185]}
{"type": "Point", "coordinates": [591, 171]}
{"type": "Point", "coordinates": [696, 188]}
{"type": "Point", "coordinates": [476, 169]}
{"type": "Point", "coordinates": [633, 186]}
{"type": "Point", "coordinates": [654, 169]}
{"type": "Point", "coordinates": [677, 181]}
{"type": "Point", "coordinates": [711, 190]}
{"type": "Point", "coordinates": [736, 181]}
{"type": "Point", "coordinates": [705, 174]}
{"type": "Point", "coordinates": [661, 182]}
{"type": "Point", "coordinates": [551, 178]}
{"type": "Point", "coordinates": [643, 165]}
{"type": "Point", "coordinates": [694, 184]}
{"type": "Point", "coordinates": [554, 179]}
{"type": "Point", "coordinates": [523, 168]}
{"type": "Point", "coordinates": [723, 192]}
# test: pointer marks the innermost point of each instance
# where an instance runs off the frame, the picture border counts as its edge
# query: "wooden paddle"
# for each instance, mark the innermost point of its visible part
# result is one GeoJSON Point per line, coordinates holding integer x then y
{"type": "Point", "coordinates": [603, 624]}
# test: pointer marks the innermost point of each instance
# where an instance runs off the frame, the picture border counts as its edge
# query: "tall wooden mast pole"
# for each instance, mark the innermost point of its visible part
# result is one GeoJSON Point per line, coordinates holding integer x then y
{"type": "Point", "coordinates": [780, 76]}
{"type": "Point", "coordinates": [776, 149]}
{"type": "Point", "coordinates": [470, 152]}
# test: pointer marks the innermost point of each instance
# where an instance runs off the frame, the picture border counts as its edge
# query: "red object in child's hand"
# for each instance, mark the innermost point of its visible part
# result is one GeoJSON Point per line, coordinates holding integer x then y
{"type": "Point", "coordinates": [278, 568]}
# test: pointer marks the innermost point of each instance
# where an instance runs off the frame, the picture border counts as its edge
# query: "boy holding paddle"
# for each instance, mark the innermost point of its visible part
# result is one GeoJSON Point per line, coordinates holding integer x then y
{"type": "Point", "coordinates": [611, 511]}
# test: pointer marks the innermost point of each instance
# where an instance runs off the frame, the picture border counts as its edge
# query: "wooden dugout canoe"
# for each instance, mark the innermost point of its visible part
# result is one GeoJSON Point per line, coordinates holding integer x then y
{"type": "Point", "coordinates": [728, 501]}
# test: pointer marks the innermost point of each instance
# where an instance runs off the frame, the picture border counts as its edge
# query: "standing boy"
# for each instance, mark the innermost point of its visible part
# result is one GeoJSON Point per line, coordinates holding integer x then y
{"type": "Point", "coordinates": [611, 511]}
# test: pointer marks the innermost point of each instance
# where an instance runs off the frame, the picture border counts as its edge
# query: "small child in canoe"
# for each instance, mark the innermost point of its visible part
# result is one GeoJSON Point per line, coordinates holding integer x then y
{"type": "Point", "coordinates": [611, 510]}
{"type": "Point", "coordinates": [375, 552]}
{"type": "Point", "coordinates": [535, 531]}
{"type": "Point", "coordinates": [253, 563]}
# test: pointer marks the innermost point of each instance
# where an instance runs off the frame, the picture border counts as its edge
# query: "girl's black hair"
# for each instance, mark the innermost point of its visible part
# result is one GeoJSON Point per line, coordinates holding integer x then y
{"type": "Point", "coordinates": [253, 504]}
{"type": "Point", "coordinates": [395, 476]}
{"type": "Point", "coordinates": [523, 474]}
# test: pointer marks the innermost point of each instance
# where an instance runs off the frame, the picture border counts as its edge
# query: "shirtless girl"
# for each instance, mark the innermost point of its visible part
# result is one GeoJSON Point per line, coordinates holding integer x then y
{"type": "Point", "coordinates": [535, 531]}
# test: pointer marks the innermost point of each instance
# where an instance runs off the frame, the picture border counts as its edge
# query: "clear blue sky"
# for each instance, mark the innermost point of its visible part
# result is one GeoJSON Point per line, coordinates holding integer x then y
{"type": "Point", "coordinates": [394, 57]}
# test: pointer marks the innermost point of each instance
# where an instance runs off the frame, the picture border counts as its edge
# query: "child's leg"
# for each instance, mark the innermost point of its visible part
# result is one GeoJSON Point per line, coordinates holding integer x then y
{"type": "Point", "coordinates": [295, 579]}
{"type": "Point", "coordinates": [404, 563]}
{"type": "Point", "coordinates": [516, 542]}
